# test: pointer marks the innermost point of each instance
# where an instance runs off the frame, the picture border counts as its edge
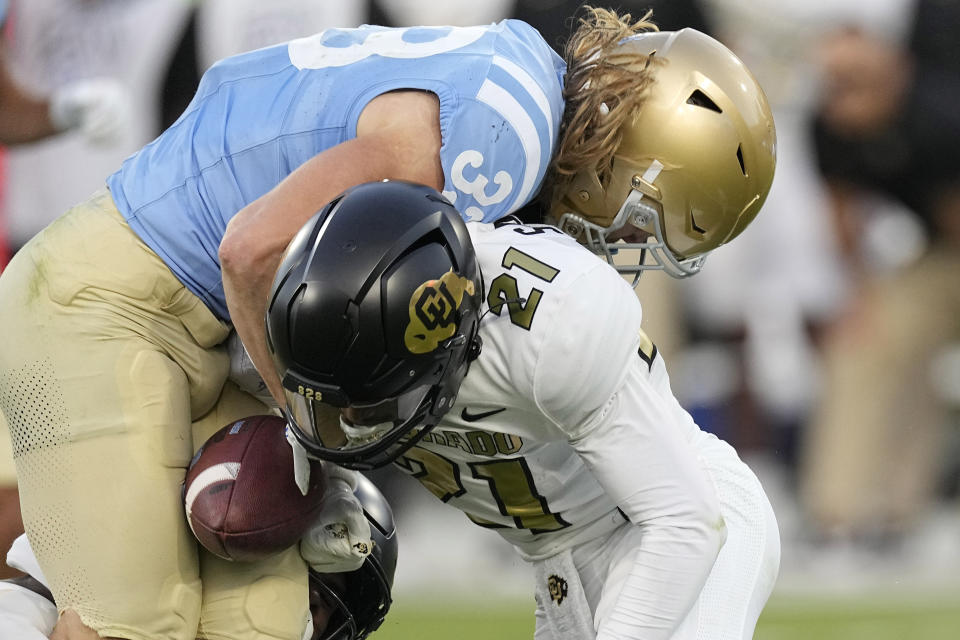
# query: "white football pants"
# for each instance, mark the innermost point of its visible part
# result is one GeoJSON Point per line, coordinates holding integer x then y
{"type": "Point", "coordinates": [737, 588]}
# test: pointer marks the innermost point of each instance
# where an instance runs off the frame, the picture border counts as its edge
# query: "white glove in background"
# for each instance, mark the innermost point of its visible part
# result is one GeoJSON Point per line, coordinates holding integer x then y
{"type": "Point", "coordinates": [339, 540]}
{"type": "Point", "coordinates": [244, 374]}
{"type": "Point", "coordinates": [97, 108]}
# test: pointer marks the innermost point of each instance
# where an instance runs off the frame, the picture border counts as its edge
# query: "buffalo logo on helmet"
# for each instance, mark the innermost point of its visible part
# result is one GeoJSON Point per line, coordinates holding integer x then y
{"type": "Point", "coordinates": [433, 309]}
{"type": "Point", "coordinates": [557, 587]}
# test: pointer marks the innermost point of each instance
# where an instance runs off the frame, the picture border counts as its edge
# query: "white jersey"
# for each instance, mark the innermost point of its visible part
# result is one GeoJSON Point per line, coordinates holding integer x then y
{"type": "Point", "coordinates": [565, 425]}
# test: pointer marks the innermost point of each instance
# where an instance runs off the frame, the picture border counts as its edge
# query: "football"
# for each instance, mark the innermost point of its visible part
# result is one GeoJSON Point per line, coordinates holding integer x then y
{"type": "Point", "coordinates": [240, 497]}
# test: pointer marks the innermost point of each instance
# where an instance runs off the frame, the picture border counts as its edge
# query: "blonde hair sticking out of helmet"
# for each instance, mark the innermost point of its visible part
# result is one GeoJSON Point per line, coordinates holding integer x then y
{"type": "Point", "coordinates": [603, 89]}
{"type": "Point", "coordinates": [667, 145]}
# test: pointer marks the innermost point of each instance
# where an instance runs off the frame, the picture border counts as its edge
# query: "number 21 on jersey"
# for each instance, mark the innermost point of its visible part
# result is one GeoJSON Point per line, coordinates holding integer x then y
{"type": "Point", "coordinates": [504, 290]}
{"type": "Point", "coordinates": [509, 480]}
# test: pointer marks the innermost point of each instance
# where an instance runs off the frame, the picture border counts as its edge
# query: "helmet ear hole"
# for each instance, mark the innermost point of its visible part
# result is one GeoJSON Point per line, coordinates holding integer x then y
{"type": "Point", "coordinates": [694, 225]}
{"type": "Point", "coordinates": [743, 169]}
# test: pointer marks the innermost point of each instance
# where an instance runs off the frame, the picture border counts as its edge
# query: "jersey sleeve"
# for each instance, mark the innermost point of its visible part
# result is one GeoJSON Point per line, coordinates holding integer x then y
{"type": "Point", "coordinates": [640, 455]}
{"type": "Point", "coordinates": [498, 140]}
{"type": "Point", "coordinates": [592, 336]}
{"type": "Point", "coordinates": [607, 392]}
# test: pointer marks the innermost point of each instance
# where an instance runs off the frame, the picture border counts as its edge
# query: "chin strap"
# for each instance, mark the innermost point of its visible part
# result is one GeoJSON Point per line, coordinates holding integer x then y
{"type": "Point", "coordinates": [301, 462]}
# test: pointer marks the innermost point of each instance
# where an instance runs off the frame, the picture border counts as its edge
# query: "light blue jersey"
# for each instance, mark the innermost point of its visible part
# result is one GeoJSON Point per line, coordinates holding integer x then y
{"type": "Point", "coordinates": [258, 116]}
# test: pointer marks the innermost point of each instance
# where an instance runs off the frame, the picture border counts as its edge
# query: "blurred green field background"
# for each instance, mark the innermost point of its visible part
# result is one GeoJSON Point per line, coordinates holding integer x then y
{"type": "Point", "coordinates": [935, 617]}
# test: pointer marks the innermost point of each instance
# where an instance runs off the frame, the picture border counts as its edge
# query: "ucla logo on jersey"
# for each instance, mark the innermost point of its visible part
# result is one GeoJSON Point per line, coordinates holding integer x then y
{"type": "Point", "coordinates": [433, 308]}
{"type": "Point", "coordinates": [557, 587]}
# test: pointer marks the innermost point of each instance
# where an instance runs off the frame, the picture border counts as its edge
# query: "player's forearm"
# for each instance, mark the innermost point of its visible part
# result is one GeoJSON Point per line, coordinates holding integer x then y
{"type": "Point", "coordinates": [24, 119]}
{"type": "Point", "coordinates": [639, 452]}
{"type": "Point", "coordinates": [398, 139]}
{"type": "Point", "coordinates": [246, 292]}
{"type": "Point", "coordinates": [249, 255]}
{"type": "Point", "coordinates": [258, 234]}
{"type": "Point", "coordinates": [667, 576]}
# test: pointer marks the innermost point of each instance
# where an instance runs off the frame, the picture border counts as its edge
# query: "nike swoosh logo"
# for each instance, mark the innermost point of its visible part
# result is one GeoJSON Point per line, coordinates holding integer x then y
{"type": "Point", "coordinates": [473, 417]}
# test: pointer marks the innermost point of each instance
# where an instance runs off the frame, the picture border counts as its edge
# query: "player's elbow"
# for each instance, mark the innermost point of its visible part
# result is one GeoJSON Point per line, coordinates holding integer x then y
{"type": "Point", "coordinates": [692, 530]}
{"type": "Point", "coordinates": [240, 251]}
{"type": "Point", "coordinates": [705, 529]}
{"type": "Point", "coordinates": [712, 534]}
{"type": "Point", "coordinates": [697, 529]}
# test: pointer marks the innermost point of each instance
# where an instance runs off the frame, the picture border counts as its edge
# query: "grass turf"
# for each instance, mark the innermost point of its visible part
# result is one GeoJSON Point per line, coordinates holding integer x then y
{"type": "Point", "coordinates": [880, 618]}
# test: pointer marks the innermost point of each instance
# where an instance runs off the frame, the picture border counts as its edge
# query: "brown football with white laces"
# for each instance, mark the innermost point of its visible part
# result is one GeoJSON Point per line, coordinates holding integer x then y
{"type": "Point", "coordinates": [240, 496]}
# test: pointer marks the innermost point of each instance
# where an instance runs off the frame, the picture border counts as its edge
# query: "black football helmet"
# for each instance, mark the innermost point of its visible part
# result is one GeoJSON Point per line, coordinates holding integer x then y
{"type": "Point", "coordinates": [372, 322]}
{"type": "Point", "coordinates": [358, 601]}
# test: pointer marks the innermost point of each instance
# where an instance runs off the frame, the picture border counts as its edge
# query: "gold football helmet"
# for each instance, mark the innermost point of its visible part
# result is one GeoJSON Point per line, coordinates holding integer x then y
{"type": "Point", "coordinates": [694, 163]}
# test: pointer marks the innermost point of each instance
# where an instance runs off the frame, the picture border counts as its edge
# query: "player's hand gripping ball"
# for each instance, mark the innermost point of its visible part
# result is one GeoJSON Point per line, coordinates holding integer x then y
{"type": "Point", "coordinates": [240, 496]}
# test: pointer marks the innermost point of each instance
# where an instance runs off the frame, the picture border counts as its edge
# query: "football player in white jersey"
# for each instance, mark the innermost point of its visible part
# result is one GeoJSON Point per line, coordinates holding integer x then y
{"type": "Point", "coordinates": [505, 367]}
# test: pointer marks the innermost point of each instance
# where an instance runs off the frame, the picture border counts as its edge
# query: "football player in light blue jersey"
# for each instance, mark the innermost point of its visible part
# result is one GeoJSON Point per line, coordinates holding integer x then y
{"type": "Point", "coordinates": [120, 308]}
{"type": "Point", "coordinates": [275, 133]}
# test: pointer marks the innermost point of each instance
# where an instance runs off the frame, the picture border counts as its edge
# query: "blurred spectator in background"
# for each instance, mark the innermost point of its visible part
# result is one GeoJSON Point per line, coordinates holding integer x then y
{"type": "Point", "coordinates": [53, 44]}
{"type": "Point", "coordinates": [888, 130]}
{"type": "Point", "coordinates": [458, 13]}
{"type": "Point", "coordinates": [228, 27]}
{"type": "Point", "coordinates": [552, 17]}
{"type": "Point", "coordinates": [96, 108]}
{"type": "Point", "coordinates": [749, 370]}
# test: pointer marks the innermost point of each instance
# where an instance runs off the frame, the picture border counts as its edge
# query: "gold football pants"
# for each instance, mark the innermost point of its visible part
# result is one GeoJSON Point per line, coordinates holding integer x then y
{"type": "Point", "coordinates": [107, 361]}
